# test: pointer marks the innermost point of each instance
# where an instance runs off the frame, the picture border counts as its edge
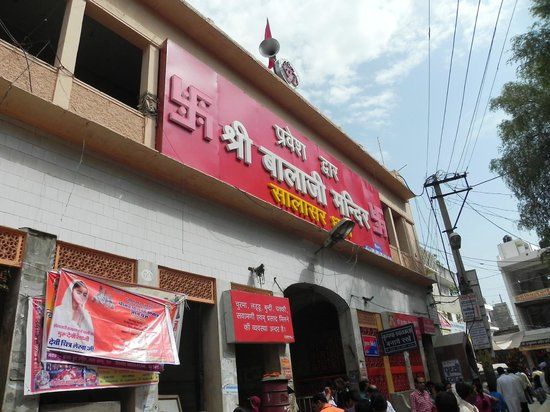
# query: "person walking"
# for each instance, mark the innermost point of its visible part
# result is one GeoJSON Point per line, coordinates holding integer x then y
{"type": "Point", "coordinates": [540, 393]}
{"type": "Point", "coordinates": [465, 397]}
{"type": "Point", "coordinates": [483, 402]}
{"type": "Point", "coordinates": [526, 385]}
{"type": "Point", "coordinates": [319, 403]}
{"type": "Point", "coordinates": [500, 404]}
{"type": "Point", "coordinates": [446, 402]}
{"type": "Point", "coordinates": [420, 397]}
{"type": "Point", "coordinates": [511, 389]}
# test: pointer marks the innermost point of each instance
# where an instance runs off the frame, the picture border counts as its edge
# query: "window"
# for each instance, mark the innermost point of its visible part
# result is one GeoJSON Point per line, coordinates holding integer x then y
{"type": "Point", "coordinates": [108, 62]}
{"type": "Point", "coordinates": [33, 25]}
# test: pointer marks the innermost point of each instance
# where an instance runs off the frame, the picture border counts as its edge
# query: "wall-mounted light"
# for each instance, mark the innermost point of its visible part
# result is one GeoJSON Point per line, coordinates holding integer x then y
{"type": "Point", "coordinates": [258, 271]}
{"type": "Point", "coordinates": [339, 232]}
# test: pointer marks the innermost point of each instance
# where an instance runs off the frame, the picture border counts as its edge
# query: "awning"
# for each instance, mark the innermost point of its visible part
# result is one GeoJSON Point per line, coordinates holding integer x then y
{"type": "Point", "coordinates": [508, 341]}
{"type": "Point", "coordinates": [536, 339]}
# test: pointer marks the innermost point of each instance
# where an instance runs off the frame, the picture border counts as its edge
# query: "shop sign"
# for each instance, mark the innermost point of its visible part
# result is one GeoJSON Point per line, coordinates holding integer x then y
{"type": "Point", "coordinates": [257, 318]}
{"type": "Point", "coordinates": [398, 339]}
{"type": "Point", "coordinates": [400, 319]}
{"type": "Point", "coordinates": [370, 345]}
{"type": "Point", "coordinates": [210, 125]}
{"type": "Point", "coordinates": [42, 377]}
{"type": "Point", "coordinates": [470, 307]}
{"type": "Point", "coordinates": [478, 335]}
{"type": "Point", "coordinates": [94, 319]}
{"type": "Point", "coordinates": [458, 327]}
{"type": "Point", "coordinates": [427, 326]}
{"type": "Point", "coordinates": [452, 370]}
{"type": "Point", "coordinates": [534, 295]}
{"type": "Point", "coordinates": [543, 343]}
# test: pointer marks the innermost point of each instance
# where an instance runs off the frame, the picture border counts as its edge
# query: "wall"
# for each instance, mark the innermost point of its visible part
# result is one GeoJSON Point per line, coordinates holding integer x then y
{"type": "Point", "coordinates": [96, 204]}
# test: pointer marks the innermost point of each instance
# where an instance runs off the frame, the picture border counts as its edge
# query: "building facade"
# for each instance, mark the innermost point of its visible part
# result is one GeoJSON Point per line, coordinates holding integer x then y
{"type": "Point", "coordinates": [527, 280]}
{"type": "Point", "coordinates": [187, 196]}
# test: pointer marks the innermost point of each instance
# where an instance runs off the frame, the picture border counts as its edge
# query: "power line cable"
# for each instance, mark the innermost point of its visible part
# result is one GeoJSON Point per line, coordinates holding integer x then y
{"type": "Point", "coordinates": [448, 85]}
{"type": "Point", "coordinates": [494, 224]}
{"type": "Point", "coordinates": [474, 114]}
{"type": "Point", "coordinates": [429, 83]}
{"type": "Point", "coordinates": [464, 86]}
{"type": "Point", "coordinates": [488, 180]}
{"type": "Point", "coordinates": [492, 86]}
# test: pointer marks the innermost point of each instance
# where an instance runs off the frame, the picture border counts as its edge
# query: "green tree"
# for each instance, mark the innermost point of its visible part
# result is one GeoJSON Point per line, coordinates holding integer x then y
{"type": "Point", "coordinates": [525, 134]}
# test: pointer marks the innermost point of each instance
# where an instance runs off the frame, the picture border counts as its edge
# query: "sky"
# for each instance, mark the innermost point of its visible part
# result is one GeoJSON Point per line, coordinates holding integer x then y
{"type": "Point", "coordinates": [369, 67]}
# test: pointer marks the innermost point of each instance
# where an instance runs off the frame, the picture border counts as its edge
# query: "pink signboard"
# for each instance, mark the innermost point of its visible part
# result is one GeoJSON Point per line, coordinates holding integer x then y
{"type": "Point", "coordinates": [211, 125]}
{"type": "Point", "coordinates": [258, 318]}
{"type": "Point", "coordinates": [402, 319]}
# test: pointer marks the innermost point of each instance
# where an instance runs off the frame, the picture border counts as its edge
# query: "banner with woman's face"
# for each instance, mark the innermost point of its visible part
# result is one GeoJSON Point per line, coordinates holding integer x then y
{"type": "Point", "coordinates": [95, 319]}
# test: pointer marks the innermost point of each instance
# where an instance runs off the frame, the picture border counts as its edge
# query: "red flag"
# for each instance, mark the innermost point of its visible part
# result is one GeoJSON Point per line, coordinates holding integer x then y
{"type": "Point", "coordinates": [267, 35]}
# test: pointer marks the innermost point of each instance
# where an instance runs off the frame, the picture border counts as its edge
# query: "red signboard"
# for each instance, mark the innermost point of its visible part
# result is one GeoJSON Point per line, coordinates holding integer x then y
{"type": "Point", "coordinates": [402, 319]}
{"type": "Point", "coordinates": [258, 318]}
{"type": "Point", "coordinates": [209, 124]}
{"type": "Point", "coordinates": [92, 318]}
{"type": "Point", "coordinates": [427, 326]}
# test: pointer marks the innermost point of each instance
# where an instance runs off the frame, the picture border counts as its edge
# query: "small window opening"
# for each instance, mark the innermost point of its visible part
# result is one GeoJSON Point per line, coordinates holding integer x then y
{"type": "Point", "coordinates": [33, 25]}
{"type": "Point", "coordinates": [108, 62]}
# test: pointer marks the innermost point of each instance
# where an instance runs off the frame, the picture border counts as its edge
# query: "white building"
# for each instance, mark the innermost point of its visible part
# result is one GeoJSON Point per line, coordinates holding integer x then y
{"type": "Point", "coordinates": [527, 280]}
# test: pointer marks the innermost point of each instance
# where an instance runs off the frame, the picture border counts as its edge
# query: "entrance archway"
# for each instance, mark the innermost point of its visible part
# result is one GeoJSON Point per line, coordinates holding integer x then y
{"type": "Point", "coordinates": [323, 348]}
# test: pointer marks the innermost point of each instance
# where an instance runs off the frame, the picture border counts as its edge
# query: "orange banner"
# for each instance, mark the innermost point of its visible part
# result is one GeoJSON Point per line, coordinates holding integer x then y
{"type": "Point", "coordinates": [95, 319]}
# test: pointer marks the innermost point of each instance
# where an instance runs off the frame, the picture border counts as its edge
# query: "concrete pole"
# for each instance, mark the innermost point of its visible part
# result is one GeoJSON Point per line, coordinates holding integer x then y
{"type": "Point", "coordinates": [483, 355]}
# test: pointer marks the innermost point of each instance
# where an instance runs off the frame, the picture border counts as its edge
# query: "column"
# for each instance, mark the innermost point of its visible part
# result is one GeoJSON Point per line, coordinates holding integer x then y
{"type": "Point", "coordinates": [220, 362]}
{"type": "Point", "coordinates": [67, 49]}
{"type": "Point", "coordinates": [145, 398]}
{"type": "Point", "coordinates": [351, 344]}
{"type": "Point", "coordinates": [148, 91]}
{"type": "Point", "coordinates": [38, 259]}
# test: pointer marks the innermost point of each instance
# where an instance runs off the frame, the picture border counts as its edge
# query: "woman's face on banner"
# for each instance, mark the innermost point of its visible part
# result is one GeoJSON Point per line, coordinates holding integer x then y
{"type": "Point", "coordinates": [80, 294]}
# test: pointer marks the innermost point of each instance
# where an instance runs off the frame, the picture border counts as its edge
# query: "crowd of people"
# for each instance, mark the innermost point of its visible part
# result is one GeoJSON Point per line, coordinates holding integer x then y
{"type": "Point", "coordinates": [513, 391]}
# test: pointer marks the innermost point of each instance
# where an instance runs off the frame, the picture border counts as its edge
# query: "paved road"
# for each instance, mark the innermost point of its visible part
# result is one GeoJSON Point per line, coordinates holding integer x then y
{"type": "Point", "coordinates": [537, 407]}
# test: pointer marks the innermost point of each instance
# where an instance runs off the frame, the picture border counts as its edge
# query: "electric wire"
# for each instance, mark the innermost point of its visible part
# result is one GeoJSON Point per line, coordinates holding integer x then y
{"type": "Point", "coordinates": [448, 85]}
{"type": "Point", "coordinates": [464, 86]}
{"type": "Point", "coordinates": [492, 86]}
{"type": "Point", "coordinates": [476, 106]}
{"type": "Point", "coordinates": [493, 223]}
{"type": "Point", "coordinates": [429, 84]}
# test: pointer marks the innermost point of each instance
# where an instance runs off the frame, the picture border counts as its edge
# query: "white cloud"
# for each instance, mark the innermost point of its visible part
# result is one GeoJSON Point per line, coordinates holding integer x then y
{"type": "Point", "coordinates": [342, 51]}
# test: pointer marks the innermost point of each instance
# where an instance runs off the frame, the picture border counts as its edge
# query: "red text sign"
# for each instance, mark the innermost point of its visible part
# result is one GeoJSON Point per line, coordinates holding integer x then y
{"type": "Point", "coordinates": [92, 318]}
{"type": "Point", "coordinates": [260, 318]}
{"type": "Point", "coordinates": [209, 124]}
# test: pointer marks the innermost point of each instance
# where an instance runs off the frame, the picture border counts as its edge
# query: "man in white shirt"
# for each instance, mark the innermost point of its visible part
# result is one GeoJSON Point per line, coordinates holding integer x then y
{"type": "Point", "coordinates": [511, 389]}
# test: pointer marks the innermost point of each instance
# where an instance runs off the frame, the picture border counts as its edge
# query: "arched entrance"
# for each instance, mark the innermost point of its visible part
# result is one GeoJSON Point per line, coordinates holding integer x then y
{"type": "Point", "coordinates": [323, 348]}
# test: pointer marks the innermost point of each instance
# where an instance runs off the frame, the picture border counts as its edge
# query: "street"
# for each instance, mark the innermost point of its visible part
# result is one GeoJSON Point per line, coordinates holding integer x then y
{"type": "Point", "coordinates": [537, 407]}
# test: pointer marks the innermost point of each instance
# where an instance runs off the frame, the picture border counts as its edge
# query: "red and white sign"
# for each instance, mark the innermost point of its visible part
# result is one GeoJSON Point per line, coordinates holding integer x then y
{"type": "Point", "coordinates": [209, 124]}
{"type": "Point", "coordinates": [95, 319]}
{"type": "Point", "coordinates": [427, 326]}
{"type": "Point", "coordinates": [402, 319]}
{"type": "Point", "coordinates": [42, 376]}
{"type": "Point", "coordinates": [257, 318]}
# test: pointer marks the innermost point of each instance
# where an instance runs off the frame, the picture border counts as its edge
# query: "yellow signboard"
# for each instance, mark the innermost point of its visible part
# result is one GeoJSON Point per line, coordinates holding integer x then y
{"type": "Point", "coordinates": [534, 295]}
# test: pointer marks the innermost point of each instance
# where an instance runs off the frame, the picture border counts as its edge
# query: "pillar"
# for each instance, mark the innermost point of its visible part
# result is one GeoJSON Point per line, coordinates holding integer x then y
{"type": "Point", "coordinates": [148, 90]}
{"type": "Point", "coordinates": [144, 398]}
{"type": "Point", "coordinates": [38, 259]}
{"type": "Point", "coordinates": [67, 49]}
{"type": "Point", "coordinates": [220, 369]}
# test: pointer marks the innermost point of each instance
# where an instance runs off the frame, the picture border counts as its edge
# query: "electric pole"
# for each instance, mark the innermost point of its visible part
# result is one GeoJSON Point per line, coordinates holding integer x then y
{"type": "Point", "coordinates": [467, 292]}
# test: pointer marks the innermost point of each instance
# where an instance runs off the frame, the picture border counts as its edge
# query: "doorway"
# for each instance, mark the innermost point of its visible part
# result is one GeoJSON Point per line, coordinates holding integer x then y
{"type": "Point", "coordinates": [317, 353]}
